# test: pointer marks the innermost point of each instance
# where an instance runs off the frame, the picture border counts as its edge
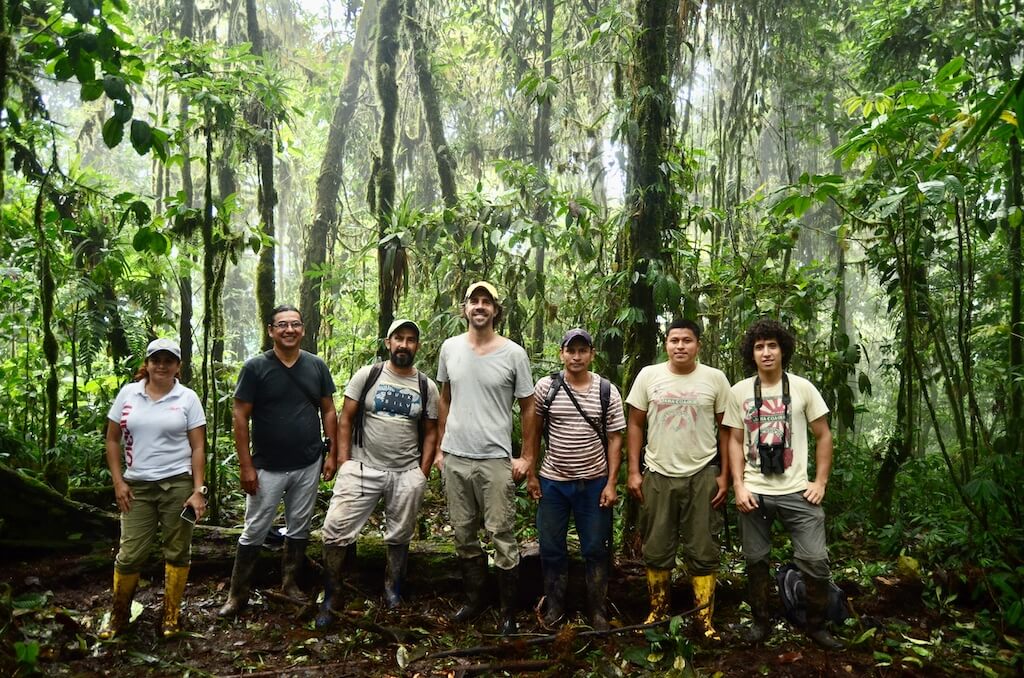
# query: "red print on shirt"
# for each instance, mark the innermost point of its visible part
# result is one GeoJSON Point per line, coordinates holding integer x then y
{"type": "Point", "coordinates": [127, 435]}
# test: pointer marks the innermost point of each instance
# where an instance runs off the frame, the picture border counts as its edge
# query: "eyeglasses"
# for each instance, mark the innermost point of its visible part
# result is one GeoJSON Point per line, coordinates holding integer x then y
{"type": "Point", "coordinates": [283, 325]}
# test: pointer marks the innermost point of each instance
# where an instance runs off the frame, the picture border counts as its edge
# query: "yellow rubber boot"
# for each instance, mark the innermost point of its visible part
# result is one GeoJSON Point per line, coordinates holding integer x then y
{"type": "Point", "coordinates": [659, 582]}
{"type": "Point", "coordinates": [704, 597]}
{"type": "Point", "coordinates": [120, 612]}
{"type": "Point", "coordinates": [175, 577]}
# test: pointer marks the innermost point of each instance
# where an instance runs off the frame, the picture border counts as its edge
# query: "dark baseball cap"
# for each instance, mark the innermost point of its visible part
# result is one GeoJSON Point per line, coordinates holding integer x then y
{"type": "Point", "coordinates": [577, 333]}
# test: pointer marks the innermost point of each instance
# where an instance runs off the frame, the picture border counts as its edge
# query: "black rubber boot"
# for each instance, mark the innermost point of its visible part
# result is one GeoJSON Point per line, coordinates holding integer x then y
{"type": "Point", "coordinates": [508, 590]}
{"type": "Point", "coordinates": [817, 605]}
{"type": "Point", "coordinates": [758, 593]}
{"type": "Point", "coordinates": [335, 559]}
{"type": "Point", "coordinates": [241, 578]}
{"type": "Point", "coordinates": [474, 579]}
{"type": "Point", "coordinates": [597, 594]}
{"type": "Point", "coordinates": [394, 578]}
{"type": "Point", "coordinates": [555, 584]}
{"type": "Point", "coordinates": [292, 562]}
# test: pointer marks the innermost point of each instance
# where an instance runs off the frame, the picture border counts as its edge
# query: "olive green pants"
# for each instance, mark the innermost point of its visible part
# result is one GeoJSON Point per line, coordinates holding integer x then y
{"type": "Point", "coordinates": [156, 508]}
{"type": "Point", "coordinates": [679, 510]}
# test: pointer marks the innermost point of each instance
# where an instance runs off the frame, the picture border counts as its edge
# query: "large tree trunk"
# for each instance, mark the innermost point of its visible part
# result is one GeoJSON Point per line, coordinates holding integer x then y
{"type": "Point", "coordinates": [47, 292]}
{"type": "Point", "coordinates": [267, 197]}
{"type": "Point", "coordinates": [390, 257]}
{"type": "Point", "coordinates": [1015, 198]}
{"type": "Point", "coordinates": [541, 158]}
{"type": "Point", "coordinates": [431, 107]}
{"type": "Point", "coordinates": [187, 261]}
{"type": "Point", "coordinates": [648, 188]}
{"type": "Point", "coordinates": [35, 515]}
{"type": "Point", "coordinates": [329, 182]}
{"type": "Point", "coordinates": [5, 48]}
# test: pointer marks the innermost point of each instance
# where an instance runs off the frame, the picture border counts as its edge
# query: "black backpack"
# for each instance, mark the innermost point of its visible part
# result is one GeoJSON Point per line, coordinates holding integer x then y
{"type": "Point", "coordinates": [794, 598]}
{"type": "Point", "coordinates": [601, 428]}
{"type": "Point", "coordinates": [371, 379]}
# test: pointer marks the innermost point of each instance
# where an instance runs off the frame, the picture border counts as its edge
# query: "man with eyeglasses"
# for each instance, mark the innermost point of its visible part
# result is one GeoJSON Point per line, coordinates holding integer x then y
{"type": "Point", "coordinates": [288, 395]}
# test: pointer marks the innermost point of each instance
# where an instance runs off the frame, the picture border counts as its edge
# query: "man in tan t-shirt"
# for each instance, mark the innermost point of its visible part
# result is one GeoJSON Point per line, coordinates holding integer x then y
{"type": "Point", "coordinates": [681, 403]}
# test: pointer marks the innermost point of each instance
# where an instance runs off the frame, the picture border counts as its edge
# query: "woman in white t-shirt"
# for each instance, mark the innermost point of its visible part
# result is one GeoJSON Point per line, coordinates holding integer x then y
{"type": "Point", "coordinates": [156, 452]}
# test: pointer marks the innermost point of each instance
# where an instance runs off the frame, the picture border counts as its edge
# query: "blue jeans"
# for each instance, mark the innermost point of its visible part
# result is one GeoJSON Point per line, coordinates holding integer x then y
{"type": "Point", "coordinates": [593, 523]}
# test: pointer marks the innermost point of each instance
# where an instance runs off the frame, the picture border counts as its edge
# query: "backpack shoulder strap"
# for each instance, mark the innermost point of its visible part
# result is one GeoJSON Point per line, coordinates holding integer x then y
{"type": "Point", "coordinates": [357, 425]}
{"type": "Point", "coordinates": [557, 381]}
{"type": "Point", "coordinates": [421, 423]}
{"type": "Point", "coordinates": [606, 401]}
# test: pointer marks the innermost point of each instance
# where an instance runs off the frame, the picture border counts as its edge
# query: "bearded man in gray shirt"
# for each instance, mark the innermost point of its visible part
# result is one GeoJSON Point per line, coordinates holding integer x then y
{"type": "Point", "coordinates": [387, 432]}
{"type": "Point", "coordinates": [482, 374]}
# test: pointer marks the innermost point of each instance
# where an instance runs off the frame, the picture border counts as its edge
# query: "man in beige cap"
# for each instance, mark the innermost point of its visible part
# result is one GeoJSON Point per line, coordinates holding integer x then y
{"type": "Point", "coordinates": [387, 432]}
{"type": "Point", "coordinates": [482, 373]}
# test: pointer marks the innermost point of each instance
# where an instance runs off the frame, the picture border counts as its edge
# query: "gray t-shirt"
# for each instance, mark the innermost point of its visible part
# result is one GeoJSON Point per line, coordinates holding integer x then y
{"type": "Point", "coordinates": [390, 418]}
{"type": "Point", "coordinates": [483, 387]}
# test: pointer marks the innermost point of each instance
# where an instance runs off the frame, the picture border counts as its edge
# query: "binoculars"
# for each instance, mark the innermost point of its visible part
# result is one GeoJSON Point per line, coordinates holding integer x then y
{"type": "Point", "coordinates": [771, 458]}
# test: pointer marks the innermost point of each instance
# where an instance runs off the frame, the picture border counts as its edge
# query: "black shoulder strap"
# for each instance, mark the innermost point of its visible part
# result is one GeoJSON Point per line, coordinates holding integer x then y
{"type": "Point", "coordinates": [272, 357]}
{"type": "Point", "coordinates": [357, 424]}
{"type": "Point", "coordinates": [421, 423]}
{"type": "Point", "coordinates": [758, 401]}
{"type": "Point", "coordinates": [557, 381]}
{"type": "Point", "coordinates": [606, 401]}
{"type": "Point", "coordinates": [599, 427]}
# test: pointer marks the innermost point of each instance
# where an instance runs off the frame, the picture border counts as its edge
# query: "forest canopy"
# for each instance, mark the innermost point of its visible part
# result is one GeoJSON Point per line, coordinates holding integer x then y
{"type": "Point", "coordinates": [852, 168]}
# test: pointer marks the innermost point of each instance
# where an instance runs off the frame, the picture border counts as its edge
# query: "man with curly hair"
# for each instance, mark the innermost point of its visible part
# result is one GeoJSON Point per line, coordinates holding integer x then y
{"type": "Point", "coordinates": [768, 416]}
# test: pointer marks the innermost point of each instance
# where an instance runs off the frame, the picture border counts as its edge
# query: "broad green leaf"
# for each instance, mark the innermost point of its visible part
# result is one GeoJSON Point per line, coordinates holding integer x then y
{"type": "Point", "coordinates": [142, 136]}
{"type": "Point", "coordinates": [159, 243]}
{"type": "Point", "coordinates": [85, 68]}
{"type": "Point", "coordinates": [63, 69]}
{"type": "Point", "coordinates": [140, 210]}
{"type": "Point", "coordinates": [115, 87]}
{"type": "Point", "coordinates": [82, 10]}
{"type": "Point", "coordinates": [113, 132]}
{"type": "Point", "coordinates": [950, 69]}
{"type": "Point", "coordinates": [91, 91]}
{"type": "Point", "coordinates": [934, 191]}
{"type": "Point", "coordinates": [123, 110]}
{"type": "Point", "coordinates": [141, 240]}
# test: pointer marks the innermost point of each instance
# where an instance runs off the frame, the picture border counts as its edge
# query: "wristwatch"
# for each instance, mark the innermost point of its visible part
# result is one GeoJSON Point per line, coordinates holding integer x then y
{"type": "Point", "coordinates": [203, 490]}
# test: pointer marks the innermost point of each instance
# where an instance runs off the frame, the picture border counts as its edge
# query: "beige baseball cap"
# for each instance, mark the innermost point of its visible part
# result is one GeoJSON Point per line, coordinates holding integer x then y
{"type": "Point", "coordinates": [401, 322]}
{"type": "Point", "coordinates": [491, 290]}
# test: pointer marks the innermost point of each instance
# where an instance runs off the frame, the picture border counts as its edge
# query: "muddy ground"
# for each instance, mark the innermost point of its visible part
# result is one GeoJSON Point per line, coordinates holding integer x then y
{"type": "Point", "coordinates": [57, 604]}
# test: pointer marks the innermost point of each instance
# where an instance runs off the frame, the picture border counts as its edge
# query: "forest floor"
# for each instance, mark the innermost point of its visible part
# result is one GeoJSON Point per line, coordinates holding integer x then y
{"type": "Point", "coordinates": [59, 604]}
{"type": "Point", "coordinates": [55, 605]}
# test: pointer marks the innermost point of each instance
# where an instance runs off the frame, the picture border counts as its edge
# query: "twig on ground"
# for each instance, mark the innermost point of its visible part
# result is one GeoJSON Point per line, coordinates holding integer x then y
{"type": "Point", "coordinates": [542, 640]}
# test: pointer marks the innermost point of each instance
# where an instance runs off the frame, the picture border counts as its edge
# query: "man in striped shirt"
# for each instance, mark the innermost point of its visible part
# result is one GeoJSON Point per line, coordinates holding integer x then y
{"type": "Point", "coordinates": [577, 475]}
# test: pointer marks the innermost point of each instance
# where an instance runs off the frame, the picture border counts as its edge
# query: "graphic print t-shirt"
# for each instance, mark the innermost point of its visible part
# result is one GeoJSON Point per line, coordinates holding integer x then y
{"type": "Point", "coordinates": [390, 418]}
{"type": "Point", "coordinates": [682, 430]}
{"type": "Point", "coordinates": [806, 406]}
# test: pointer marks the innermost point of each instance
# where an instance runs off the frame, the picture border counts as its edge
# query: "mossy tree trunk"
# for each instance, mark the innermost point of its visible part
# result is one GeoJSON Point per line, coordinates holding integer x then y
{"type": "Point", "coordinates": [431, 106]}
{"type": "Point", "coordinates": [541, 160]}
{"type": "Point", "coordinates": [648, 190]}
{"type": "Point", "coordinates": [390, 253]}
{"type": "Point", "coordinates": [267, 195]}
{"type": "Point", "coordinates": [187, 261]}
{"type": "Point", "coordinates": [5, 51]}
{"type": "Point", "coordinates": [37, 515]}
{"type": "Point", "coordinates": [47, 292]}
{"type": "Point", "coordinates": [325, 216]}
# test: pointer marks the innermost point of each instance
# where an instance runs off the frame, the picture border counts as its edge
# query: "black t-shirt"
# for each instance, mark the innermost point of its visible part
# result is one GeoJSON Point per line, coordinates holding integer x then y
{"type": "Point", "coordinates": [286, 429]}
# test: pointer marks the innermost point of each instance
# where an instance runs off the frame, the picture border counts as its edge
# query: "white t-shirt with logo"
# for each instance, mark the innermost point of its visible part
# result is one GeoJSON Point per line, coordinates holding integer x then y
{"type": "Point", "coordinates": [154, 433]}
{"type": "Point", "coordinates": [771, 425]}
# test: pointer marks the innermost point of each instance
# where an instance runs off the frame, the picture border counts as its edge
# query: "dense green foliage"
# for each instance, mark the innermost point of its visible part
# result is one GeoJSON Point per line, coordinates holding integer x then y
{"type": "Point", "coordinates": [853, 168]}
